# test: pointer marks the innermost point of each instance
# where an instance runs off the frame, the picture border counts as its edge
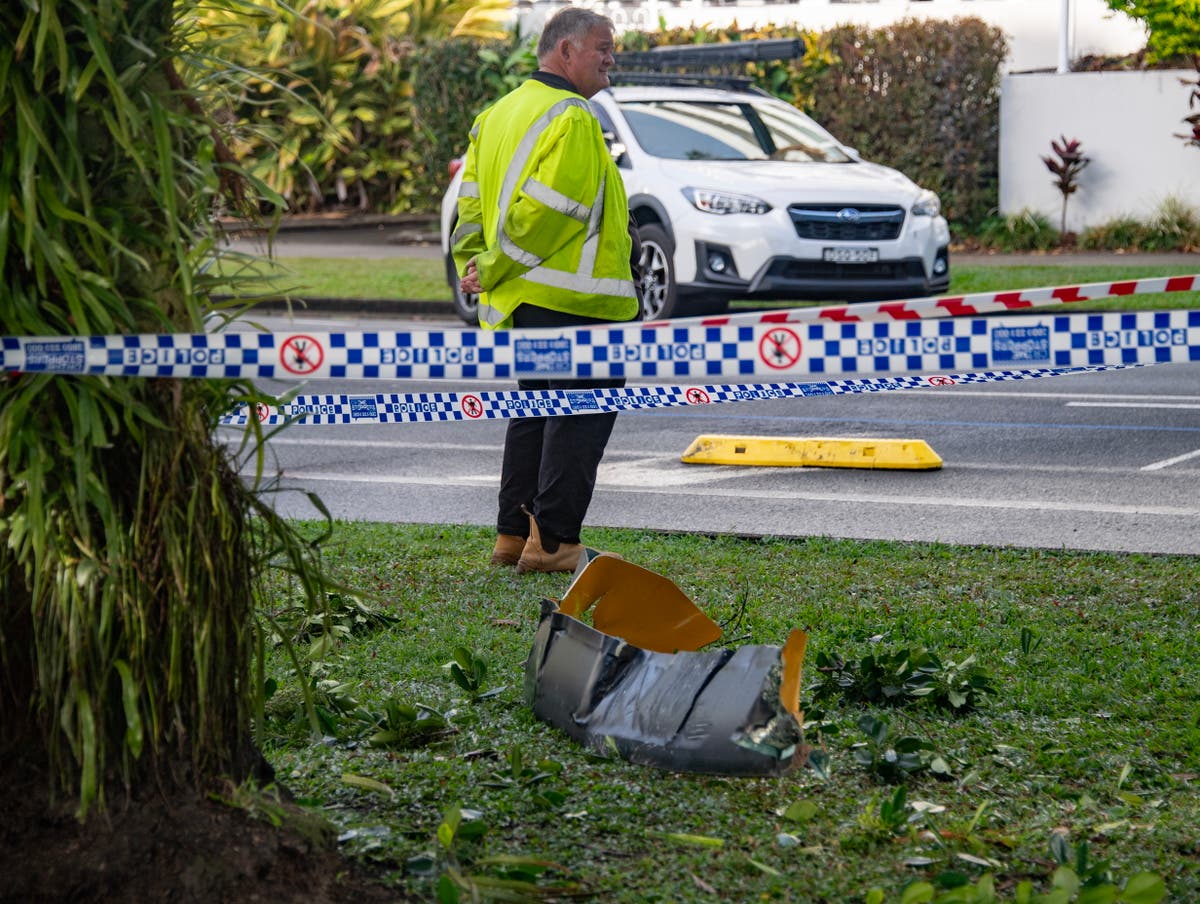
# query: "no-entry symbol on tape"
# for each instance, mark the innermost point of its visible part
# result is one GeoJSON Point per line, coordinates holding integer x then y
{"type": "Point", "coordinates": [697, 396]}
{"type": "Point", "coordinates": [779, 348]}
{"type": "Point", "coordinates": [471, 406]}
{"type": "Point", "coordinates": [301, 355]}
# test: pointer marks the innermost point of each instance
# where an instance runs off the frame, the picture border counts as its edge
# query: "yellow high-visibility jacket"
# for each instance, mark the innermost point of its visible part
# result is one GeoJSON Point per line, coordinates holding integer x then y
{"type": "Point", "coordinates": [542, 210]}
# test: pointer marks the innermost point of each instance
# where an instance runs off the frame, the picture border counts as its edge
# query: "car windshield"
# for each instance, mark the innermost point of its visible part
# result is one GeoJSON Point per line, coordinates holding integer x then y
{"type": "Point", "coordinates": [690, 130]}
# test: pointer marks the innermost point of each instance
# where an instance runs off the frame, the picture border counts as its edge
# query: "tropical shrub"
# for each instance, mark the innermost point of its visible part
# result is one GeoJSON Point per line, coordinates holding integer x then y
{"type": "Point", "coordinates": [452, 81]}
{"type": "Point", "coordinates": [1174, 227]}
{"type": "Point", "coordinates": [1066, 165]}
{"type": "Point", "coordinates": [1172, 26]}
{"type": "Point", "coordinates": [322, 94]}
{"type": "Point", "coordinates": [1123, 233]}
{"type": "Point", "coordinates": [1024, 231]}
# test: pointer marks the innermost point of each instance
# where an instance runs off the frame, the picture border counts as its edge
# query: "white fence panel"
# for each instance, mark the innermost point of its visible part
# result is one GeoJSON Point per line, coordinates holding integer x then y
{"type": "Point", "coordinates": [1126, 123]}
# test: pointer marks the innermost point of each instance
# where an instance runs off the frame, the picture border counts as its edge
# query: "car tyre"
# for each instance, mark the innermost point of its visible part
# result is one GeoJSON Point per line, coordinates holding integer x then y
{"type": "Point", "coordinates": [466, 304]}
{"type": "Point", "coordinates": [657, 266]}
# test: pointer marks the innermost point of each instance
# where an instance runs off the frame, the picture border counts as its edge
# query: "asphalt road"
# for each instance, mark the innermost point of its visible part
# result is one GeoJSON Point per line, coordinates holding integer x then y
{"type": "Point", "coordinates": [1098, 462]}
{"type": "Point", "coordinates": [1105, 461]}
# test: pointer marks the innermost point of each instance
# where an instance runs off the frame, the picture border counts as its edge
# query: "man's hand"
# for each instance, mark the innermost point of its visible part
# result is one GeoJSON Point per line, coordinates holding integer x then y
{"type": "Point", "coordinates": [470, 281]}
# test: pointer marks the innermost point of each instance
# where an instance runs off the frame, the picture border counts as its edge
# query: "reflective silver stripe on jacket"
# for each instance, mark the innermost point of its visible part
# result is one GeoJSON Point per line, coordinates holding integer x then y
{"type": "Point", "coordinates": [555, 200]}
{"type": "Point", "coordinates": [587, 260]}
{"type": "Point", "coordinates": [463, 231]}
{"type": "Point", "coordinates": [489, 315]}
{"type": "Point", "coordinates": [580, 282]}
{"type": "Point", "coordinates": [559, 279]}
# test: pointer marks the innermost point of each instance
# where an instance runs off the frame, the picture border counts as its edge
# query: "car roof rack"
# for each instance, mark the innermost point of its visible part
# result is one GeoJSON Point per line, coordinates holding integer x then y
{"type": "Point", "coordinates": [693, 65]}
{"type": "Point", "coordinates": [677, 56]}
{"type": "Point", "coordinates": [682, 80]}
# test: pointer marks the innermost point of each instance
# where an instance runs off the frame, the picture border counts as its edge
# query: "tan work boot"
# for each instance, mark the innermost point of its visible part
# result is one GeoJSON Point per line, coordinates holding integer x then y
{"type": "Point", "coordinates": [507, 550]}
{"type": "Point", "coordinates": [535, 558]}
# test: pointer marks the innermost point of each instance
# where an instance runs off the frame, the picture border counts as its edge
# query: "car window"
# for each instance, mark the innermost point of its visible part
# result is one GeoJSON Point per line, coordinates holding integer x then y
{"type": "Point", "coordinates": [796, 137]}
{"type": "Point", "coordinates": [686, 130]}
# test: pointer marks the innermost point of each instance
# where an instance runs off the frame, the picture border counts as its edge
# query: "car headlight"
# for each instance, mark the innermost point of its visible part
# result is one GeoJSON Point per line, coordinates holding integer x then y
{"type": "Point", "coordinates": [927, 204]}
{"type": "Point", "coordinates": [723, 202]}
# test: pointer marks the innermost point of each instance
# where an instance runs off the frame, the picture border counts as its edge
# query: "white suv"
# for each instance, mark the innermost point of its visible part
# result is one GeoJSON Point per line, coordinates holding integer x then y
{"type": "Point", "coordinates": [738, 195]}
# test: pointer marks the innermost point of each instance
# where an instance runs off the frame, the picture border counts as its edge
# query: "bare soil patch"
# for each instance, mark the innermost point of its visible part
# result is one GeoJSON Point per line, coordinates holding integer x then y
{"type": "Point", "coordinates": [181, 846]}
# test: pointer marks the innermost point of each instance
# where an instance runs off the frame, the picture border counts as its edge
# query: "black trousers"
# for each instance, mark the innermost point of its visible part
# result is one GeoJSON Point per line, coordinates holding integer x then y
{"type": "Point", "coordinates": [550, 463]}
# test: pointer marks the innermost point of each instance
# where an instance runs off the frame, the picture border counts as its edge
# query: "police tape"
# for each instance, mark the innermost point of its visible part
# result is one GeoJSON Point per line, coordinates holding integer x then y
{"type": "Point", "coordinates": [679, 351]}
{"type": "Point", "coordinates": [401, 408]}
{"type": "Point", "coordinates": [976, 304]}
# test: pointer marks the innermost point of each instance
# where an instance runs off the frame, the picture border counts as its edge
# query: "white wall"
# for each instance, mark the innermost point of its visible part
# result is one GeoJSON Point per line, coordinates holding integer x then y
{"type": "Point", "coordinates": [1033, 26]}
{"type": "Point", "coordinates": [1126, 123]}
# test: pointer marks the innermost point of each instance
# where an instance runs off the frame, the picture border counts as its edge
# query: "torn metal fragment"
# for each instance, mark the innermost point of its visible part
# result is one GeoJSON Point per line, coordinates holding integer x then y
{"type": "Point", "coordinates": [635, 680]}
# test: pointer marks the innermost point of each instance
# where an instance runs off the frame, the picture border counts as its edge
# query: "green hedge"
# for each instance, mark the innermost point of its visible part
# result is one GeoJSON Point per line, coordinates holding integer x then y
{"type": "Point", "coordinates": [923, 97]}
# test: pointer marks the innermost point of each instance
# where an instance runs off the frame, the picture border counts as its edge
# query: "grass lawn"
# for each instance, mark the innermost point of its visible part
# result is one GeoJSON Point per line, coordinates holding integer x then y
{"type": "Point", "coordinates": [411, 278]}
{"type": "Point", "coordinates": [1089, 745]}
{"type": "Point", "coordinates": [1087, 753]}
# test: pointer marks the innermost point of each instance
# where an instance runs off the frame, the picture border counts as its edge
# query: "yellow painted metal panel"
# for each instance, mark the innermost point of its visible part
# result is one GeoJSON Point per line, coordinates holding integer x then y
{"type": "Point", "coordinates": [639, 606]}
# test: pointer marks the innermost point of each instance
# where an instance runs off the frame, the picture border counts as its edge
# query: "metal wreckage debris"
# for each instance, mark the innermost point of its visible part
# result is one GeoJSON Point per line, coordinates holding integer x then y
{"type": "Point", "coordinates": [636, 680]}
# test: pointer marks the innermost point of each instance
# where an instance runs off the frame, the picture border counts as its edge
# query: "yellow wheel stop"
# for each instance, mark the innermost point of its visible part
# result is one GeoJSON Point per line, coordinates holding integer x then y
{"type": "Point", "coordinates": [823, 452]}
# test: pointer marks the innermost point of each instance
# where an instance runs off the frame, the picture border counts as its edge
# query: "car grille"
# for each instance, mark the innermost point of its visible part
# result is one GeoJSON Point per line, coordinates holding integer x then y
{"type": "Point", "coordinates": [846, 223]}
{"type": "Point", "coordinates": [888, 271]}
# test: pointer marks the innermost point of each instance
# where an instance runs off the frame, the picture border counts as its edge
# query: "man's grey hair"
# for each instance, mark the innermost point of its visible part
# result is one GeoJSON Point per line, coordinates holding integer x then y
{"type": "Point", "coordinates": [573, 23]}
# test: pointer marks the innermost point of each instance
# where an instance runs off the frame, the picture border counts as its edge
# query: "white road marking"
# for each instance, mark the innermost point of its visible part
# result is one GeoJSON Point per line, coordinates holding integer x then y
{"type": "Point", "coordinates": [648, 472]}
{"type": "Point", "coordinates": [975, 392]}
{"type": "Point", "coordinates": [1131, 405]}
{"type": "Point", "coordinates": [1168, 462]}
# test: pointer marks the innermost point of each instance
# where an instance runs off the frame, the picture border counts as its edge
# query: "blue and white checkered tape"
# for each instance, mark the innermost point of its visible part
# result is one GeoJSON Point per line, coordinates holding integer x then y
{"type": "Point", "coordinates": [393, 408]}
{"type": "Point", "coordinates": [688, 350]}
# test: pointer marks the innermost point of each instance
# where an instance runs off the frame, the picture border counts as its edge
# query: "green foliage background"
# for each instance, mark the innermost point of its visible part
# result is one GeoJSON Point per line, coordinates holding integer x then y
{"type": "Point", "coordinates": [369, 115]}
{"type": "Point", "coordinates": [321, 97]}
{"type": "Point", "coordinates": [1172, 26]}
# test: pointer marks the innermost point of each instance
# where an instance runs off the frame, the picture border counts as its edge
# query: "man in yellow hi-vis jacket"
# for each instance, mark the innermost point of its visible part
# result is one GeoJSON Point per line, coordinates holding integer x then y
{"type": "Point", "coordinates": [543, 238]}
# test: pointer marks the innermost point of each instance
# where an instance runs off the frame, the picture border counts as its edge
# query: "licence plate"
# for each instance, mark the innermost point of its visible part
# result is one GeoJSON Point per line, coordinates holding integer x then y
{"type": "Point", "coordinates": [850, 255]}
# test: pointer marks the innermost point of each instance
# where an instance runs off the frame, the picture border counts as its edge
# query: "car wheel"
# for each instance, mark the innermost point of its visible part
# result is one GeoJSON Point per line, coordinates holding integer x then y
{"type": "Point", "coordinates": [657, 266]}
{"type": "Point", "coordinates": [466, 304]}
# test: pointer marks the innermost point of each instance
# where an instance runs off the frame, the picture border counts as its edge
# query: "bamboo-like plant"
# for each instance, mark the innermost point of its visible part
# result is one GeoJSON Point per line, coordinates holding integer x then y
{"type": "Point", "coordinates": [130, 550]}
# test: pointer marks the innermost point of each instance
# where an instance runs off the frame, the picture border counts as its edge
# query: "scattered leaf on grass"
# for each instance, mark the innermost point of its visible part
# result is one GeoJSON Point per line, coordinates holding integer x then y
{"type": "Point", "coordinates": [762, 867]}
{"type": "Point", "coordinates": [800, 811]}
{"type": "Point", "coordinates": [702, 840]}
{"type": "Point", "coordinates": [367, 784]}
{"type": "Point", "coordinates": [979, 861]}
{"type": "Point", "coordinates": [702, 885]}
